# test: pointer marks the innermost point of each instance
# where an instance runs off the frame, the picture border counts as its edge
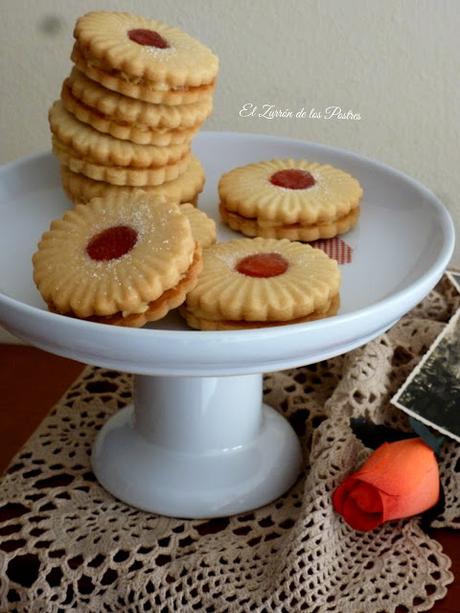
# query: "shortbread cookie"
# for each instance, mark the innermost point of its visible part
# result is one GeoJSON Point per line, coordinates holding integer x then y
{"type": "Point", "coordinates": [280, 193]}
{"type": "Point", "coordinates": [136, 133]}
{"type": "Point", "coordinates": [293, 232]}
{"type": "Point", "coordinates": [126, 261]}
{"type": "Point", "coordinates": [135, 113]}
{"type": "Point", "coordinates": [185, 188]}
{"type": "Point", "coordinates": [145, 49]}
{"type": "Point", "coordinates": [144, 52]}
{"type": "Point", "coordinates": [138, 89]}
{"type": "Point", "coordinates": [203, 227]}
{"type": "Point", "coordinates": [249, 282]}
{"type": "Point", "coordinates": [119, 175]}
{"type": "Point", "coordinates": [106, 150]}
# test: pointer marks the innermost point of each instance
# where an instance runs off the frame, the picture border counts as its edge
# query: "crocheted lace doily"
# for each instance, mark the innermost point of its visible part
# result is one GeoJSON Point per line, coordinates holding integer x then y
{"type": "Point", "coordinates": [67, 544]}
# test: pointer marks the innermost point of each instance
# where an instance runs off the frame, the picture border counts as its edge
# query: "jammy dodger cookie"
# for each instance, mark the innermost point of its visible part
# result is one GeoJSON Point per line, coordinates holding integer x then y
{"type": "Point", "coordinates": [186, 188]}
{"type": "Point", "coordinates": [293, 199]}
{"type": "Point", "coordinates": [130, 119]}
{"type": "Point", "coordinates": [143, 58]}
{"type": "Point", "coordinates": [136, 133]}
{"type": "Point", "coordinates": [126, 262]}
{"type": "Point", "coordinates": [250, 283]}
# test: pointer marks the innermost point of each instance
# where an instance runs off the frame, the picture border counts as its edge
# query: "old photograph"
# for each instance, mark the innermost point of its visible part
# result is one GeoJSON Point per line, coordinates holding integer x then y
{"type": "Point", "coordinates": [432, 392]}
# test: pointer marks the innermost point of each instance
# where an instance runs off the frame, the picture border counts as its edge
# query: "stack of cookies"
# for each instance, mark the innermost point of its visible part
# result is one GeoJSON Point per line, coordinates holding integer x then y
{"type": "Point", "coordinates": [139, 92]}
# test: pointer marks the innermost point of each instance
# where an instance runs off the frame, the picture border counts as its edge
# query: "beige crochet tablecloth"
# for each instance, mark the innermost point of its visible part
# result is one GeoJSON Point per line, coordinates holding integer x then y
{"type": "Point", "coordinates": [66, 544]}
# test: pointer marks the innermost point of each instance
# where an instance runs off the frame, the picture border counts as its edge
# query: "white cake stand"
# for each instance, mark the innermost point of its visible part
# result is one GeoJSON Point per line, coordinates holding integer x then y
{"type": "Point", "coordinates": [198, 441]}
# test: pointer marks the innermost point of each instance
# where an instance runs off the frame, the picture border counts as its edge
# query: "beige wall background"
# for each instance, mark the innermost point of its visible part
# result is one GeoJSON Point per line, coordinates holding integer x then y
{"type": "Point", "coordinates": [395, 63]}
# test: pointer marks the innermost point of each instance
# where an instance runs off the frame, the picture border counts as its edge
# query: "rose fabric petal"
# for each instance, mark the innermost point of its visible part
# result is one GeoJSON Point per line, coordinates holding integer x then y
{"type": "Point", "coordinates": [359, 503]}
{"type": "Point", "coordinates": [398, 480]}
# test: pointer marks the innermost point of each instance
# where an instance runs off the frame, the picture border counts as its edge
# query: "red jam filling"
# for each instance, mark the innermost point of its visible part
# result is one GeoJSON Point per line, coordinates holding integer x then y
{"type": "Point", "coordinates": [149, 38]}
{"type": "Point", "coordinates": [112, 243]}
{"type": "Point", "coordinates": [262, 265]}
{"type": "Point", "coordinates": [293, 178]}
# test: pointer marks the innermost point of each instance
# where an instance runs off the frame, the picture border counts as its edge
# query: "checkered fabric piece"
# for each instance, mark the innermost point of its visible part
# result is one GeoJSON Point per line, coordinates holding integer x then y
{"type": "Point", "coordinates": [335, 248]}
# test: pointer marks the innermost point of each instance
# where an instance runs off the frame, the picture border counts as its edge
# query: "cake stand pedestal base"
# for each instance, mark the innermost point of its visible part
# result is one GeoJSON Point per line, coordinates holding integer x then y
{"type": "Point", "coordinates": [197, 447]}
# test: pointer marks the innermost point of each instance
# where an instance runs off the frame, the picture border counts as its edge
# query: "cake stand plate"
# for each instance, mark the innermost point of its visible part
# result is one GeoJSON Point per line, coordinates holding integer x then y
{"type": "Point", "coordinates": [198, 442]}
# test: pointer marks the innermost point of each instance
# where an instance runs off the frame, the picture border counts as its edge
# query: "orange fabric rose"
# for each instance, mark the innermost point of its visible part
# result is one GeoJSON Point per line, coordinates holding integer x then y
{"type": "Point", "coordinates": [398, 480]}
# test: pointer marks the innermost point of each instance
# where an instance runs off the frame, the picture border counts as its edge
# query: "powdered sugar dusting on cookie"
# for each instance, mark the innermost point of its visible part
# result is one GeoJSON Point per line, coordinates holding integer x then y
{"type": "Point", "coordinates": [229, 259]}
{"type": "Point", "coordinates": [184, 62]}
{"type": "Point", "coordinates": [160, 55]}
{"type": "Point", "coordinates": [123, 281]}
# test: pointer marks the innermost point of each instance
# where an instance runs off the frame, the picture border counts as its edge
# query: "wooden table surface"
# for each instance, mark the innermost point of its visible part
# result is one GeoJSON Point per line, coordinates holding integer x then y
{"type": "Point", "coordinates": [31, 381]}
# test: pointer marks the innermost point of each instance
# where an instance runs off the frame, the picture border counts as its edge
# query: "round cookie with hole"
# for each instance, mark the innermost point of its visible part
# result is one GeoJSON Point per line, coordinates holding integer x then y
{"type": "Point", "coordinates": [251, 283]}
{"type": "Point", "coordinates": [126, 262]}
{"type": "Point", "coordinates": [143, 58]}
{"type": "Point", "coordinates": [287, 198]}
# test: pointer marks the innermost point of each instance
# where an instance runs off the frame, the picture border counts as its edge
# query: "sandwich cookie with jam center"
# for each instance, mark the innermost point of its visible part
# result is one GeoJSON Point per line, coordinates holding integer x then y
{"type": "Point", "coordinates": [252, 283]}
{"type": "Point", "coordinates": [124, 262]}
{"type": "Point", "coordinates": [293, 199]}
{"type": "Point", "coordinates": [143, 58]}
